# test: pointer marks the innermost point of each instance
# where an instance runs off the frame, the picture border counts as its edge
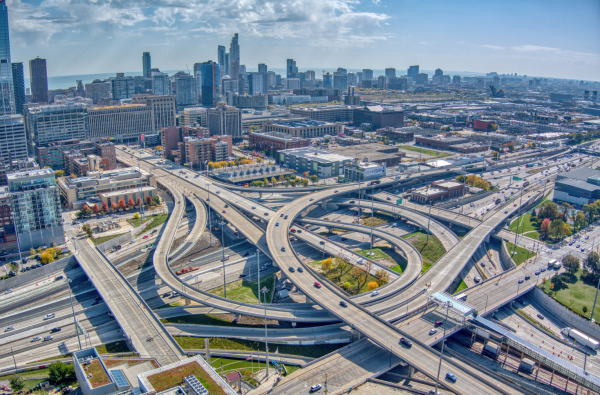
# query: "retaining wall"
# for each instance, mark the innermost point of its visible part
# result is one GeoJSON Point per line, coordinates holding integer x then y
{"type": "Point", "coordinates": [36, 274]}
{"type": "Point", "coordinates": [107, 245]}
{"type": "Point", "coordinates": [566, 315]}
{"type": "Point", "coordinates": [506, 257]}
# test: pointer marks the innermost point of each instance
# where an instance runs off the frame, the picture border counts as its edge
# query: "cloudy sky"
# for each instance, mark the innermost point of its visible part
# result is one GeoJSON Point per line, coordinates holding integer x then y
{"type": "Point", "coordinates": [552, 38]}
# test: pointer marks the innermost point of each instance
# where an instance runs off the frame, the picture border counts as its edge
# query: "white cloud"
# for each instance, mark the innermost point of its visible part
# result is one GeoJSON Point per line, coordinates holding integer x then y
{"type": "Point", "coordinates": [261, 18]}
{"type": "Point", "coordinates": [496, 47]}
{"type": "Point", "coordinates": [534, 48]}
{"type": "Point", "coordinates": [376, 2]}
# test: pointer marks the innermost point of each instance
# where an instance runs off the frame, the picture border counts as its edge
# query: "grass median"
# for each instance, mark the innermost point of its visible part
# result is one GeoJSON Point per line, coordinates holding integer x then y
{"type": "Point", "coordinates": [430, 251]}
{"type": "Point", "coordinates": [521, 254]}
{"type": "Point", "coordinates": [425, 151]}
{"type": "Point", "coordinates": [246, 291]}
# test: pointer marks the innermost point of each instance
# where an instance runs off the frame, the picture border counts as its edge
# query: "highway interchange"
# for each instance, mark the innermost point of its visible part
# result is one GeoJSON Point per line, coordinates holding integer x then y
{"type": "Point", "coordinates": [258, 229]}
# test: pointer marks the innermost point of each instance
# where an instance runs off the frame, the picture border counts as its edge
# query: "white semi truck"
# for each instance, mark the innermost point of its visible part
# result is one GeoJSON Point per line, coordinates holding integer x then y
{"type": "Point", "coordinates": [581, 338]}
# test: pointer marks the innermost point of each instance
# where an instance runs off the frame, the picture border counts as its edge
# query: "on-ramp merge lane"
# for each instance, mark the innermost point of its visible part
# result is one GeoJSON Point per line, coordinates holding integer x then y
{"type": "Point", "coordinates": [385, 335]}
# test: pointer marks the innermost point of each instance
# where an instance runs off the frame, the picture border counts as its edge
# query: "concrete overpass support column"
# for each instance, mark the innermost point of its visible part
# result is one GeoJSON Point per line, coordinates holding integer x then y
{"type": "Point", "coordinates": [411, 371]}
{"type": "Point", "coordinates": [324, 204]}
{"type": "Point", "coordinates": [293, 324]}
{"type": "Point", "coordinates": [487, 239]}
{"type": "Point", "coordinates": [237, 317]}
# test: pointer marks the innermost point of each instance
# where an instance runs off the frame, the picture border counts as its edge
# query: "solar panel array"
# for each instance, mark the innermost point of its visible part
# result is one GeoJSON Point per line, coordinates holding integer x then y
{"type": "Point", "coordinates": [196, 385]}
{"type": "Point", "coordinates": [119, 378]}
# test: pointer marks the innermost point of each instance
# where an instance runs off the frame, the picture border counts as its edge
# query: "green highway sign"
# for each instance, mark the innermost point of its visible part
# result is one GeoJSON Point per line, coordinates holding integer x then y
{"type": "Point", "coordinates": [515, 178]}
{"type": "Point", "coordinates": [399, 201]}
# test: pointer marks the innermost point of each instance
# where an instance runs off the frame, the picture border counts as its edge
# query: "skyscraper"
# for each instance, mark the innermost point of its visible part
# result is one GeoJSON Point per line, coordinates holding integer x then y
{"type": "Point", "coordinates": [39, 80]}
{"type": "Point", "coordinates": [262, 70]}
{"type": "Point", "coordinates": [227, 70]}
{"type": "Point", "coordinates": [187, 94]}
{"type": "Point", "coordinates": [221, 56]}
{"type": "Point", "coordinates": [121, 87]}
{"type": "Point", "coordinates": [146, 64]}
{"type": "Point", "coordinates": [161, 85]}
{"type": "Point", "coordinates": [412, 72]}
{"type": "Point", "coordinates": [291, 69]}
{"type": "Point", "coordinates": [390, 73]}
{"type": "Point", "coordinates": [18, 86]}
{"type": "Point", "coordinates": [367, 74]}
{"type": "Point", "coordinates": [234, 56]}
{"type": "Point", "coordinates": [7, 97]}
{"type": "Point", "coordinates": [210, 82]}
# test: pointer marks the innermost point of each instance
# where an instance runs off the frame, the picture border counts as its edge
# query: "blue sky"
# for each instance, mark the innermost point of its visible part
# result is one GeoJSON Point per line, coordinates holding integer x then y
{"type": "Point", "coordinates": [548, 38]}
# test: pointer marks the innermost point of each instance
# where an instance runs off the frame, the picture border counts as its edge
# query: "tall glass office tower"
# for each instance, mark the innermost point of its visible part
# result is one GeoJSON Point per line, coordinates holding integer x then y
{"type": "Point", "coordinates": [7, 95]}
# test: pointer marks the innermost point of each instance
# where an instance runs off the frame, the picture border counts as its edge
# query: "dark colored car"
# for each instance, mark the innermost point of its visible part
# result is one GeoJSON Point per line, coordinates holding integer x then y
{"type": "Point", "coordinates": [406, 342]}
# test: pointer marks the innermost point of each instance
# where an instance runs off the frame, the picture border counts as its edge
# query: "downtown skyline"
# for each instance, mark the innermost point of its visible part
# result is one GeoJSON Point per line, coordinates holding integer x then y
{"type": "Point", "coordinates": [539, 39]}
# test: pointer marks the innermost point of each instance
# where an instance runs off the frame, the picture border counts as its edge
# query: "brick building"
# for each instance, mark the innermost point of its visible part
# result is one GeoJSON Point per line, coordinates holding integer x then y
{"type": "Point", "coordinates": [438, 191]}
{"type": "Point", "coordinates": [396, 135]}
{"type": "Point", "coordinates": [171, 136]}
{"type": "Point", "coordinates": [276, 141]}
{"type": "Point", "coordinates": [457, 144]}
{"type": "Point", "coordinates": [305, 129]}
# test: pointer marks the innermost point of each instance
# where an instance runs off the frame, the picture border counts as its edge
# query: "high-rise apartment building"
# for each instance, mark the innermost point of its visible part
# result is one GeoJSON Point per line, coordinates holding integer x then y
{"type": "Point", "coordinates": [18, 86]}
{"type": "Point", "coordinates": [221, 56]}
{"type": "Point", "coordinates": [310, 75]}
{"type": "Point", "coordinates": [390, 73]}
{"type": "Point", "coordinates": [7, 98]}
{"type": "Point", "coordinates": [225, 120]}
{"type": "Point", "coordinates": [227, 70]}
{"type": "Point", "coordinates": [47, 124]}
{"type": "Point", "coordinates": [161, 85]}
{"type": "Point", "coordinates": [367, 74]}
{"type": "Point", "coordinates": [35, 202]}
{"type": "Point", "coordinates": [291, 70]}
{"type": "Point", "coordinates": [121, 87]}
{"type": "Point", "coordinates": [97, 90]}
{"type": "Point", "coordinates": [352, 79]}
{"type": "Point", "coordinates": [456, 80]}
{"type": "Point", "coordinates": [256, 84]}
{"type": "Point", "coordinates": [262, 70]}
{"type": "Point", "coordinates": [210, 83]}
{"type": "Point", "coordinates": [340, 80]}
{"type": "Point", "coordinates": [146, 64]}
{"type": "Point", "coordinates": [38, 79]}
{"type": "Point", "coordinates": [381, 82]}
{"type": "Point", "coordinates": [13, 138]}
{"type": "Point", "coordinates": [187, 94]}
{"type": "Point", "coordinates": [327, 80]}
{"type": "Point", "coordinates": [412, 72]}
{"type": "Point", "coordinates": [422, 78]}
{"type": "Point", "coordinates": [195, 115]}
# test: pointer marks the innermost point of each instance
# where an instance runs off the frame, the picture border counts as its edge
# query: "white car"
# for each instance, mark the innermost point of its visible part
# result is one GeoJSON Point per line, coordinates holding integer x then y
{"type": "Point", "coordinates": [8, 291]}
{"type": "Point", "coordinates": [315, 387]}
{"type": "Point", "coordinates": [253, 207]}
{"type": "Point", "coordinates": [48, 316]}
{"type": "Point", "coordinates": [374, 293]}
{"type": "Point", "coordinates": [36, 339]}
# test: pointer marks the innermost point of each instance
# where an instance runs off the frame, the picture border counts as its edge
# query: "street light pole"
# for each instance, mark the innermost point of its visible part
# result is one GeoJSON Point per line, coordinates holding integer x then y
{"type": "Point", "coordinates": [223, 245]}
{"type": "Point", "coordinates": [372, 217]}
{"type": "Point", "coordinates": [258, 271]}
{"type": "Point", "coordinates": [264, 291]}
{"type": "Point", "coordinates": [595, 299]}
{"type": "Point", "coordinates": [73, 308]}
{"type": "Point", "coordinates": [518, 220]}
{"type": "Point", "coordinates": [209, 223]}
{"type": "Point", "coordinates": [428, 220]}
{"type": "Point", "coordinates": [12, 213]}
{"type": "Point", "coordinates": [437, 381]}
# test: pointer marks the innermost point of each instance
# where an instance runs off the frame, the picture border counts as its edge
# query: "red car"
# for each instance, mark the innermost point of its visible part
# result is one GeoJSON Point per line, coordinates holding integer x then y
{"type": "Point", "coordinates": [224, 211]}
{"type": "Point", "coordinates": [145, 237]}
{"type": "Point", "coordinates": [438, 323]}
{"type": "Point", "coordinates": [293, 230]}
{"type": "Point", "coordinates": [515, 205]}
{"type": "Point", "coordinates": [317, 284]}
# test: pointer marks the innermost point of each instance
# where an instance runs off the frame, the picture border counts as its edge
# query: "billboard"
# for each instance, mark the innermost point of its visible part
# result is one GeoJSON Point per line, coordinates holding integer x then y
{"type": "Point", "coordinates": [375, 171]}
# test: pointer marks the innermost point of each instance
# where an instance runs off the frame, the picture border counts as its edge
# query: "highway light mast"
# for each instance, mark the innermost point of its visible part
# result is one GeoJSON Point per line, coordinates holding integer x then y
{"type": "Point", "coordinates": [223, 259]}
{"type": "Point", "coordinates": [437, 381]}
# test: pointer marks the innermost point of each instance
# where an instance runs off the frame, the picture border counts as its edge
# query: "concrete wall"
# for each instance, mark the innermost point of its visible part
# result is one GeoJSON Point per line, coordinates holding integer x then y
{"type": "Point", "coordinates": [44, 271]}
{"type": "Point", "coordinates": [505, 256]}
{"type": "Point", "coordinates": [44, 237]}
{"type": "Point", "coordinates": [566, 315]}
{"type": "Point", "coordinates": [465, 200]}
{"type": "Point", "coordinates": [107, 245]}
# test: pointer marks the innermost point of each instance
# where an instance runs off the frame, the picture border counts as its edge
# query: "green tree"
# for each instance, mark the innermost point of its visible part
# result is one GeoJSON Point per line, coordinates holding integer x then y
{"type": "Point", "coordinates": [16, 383]}
{"type": "Point", "coordinates": [571, 263]}
{"type": "Point", "coordinates": [592, 262]}
{"type": "Point", "coordinates": [136, 216]}
{"type": "Point", "coordinates": [304, 182]}
{"type": "Point", "coordinates": [59, 371]}
{"type": "Point", "coordinates": [314, 179]}
{"type": "Point", "coordinates": [157, 199]}
{"type": "Point", "coordinates": [87, 229]}
{"type": "Point", "coordinates": [556, 228]}
{"type": "Point", "coordinates": [59, 173]}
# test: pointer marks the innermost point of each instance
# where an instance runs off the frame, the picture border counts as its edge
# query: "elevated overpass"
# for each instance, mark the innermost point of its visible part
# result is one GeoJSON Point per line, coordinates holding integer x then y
{"type": "Point", "coordinates": [375, 328]}
{"type": "Point", "coordinates": [144, 331]}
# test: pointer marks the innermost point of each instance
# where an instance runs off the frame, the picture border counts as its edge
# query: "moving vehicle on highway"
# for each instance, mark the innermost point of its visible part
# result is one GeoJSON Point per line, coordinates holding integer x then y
{"type": "Point", "coordinates": [451, 377]}
{"type": "Point", "coordinates": [406, 342]}
{"type": "Point", "coordinates": [581, 338]}
{"type": "Point", "coordinates": [315, 388]}
{"type": "Point", "coordinates": [48, 316]}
